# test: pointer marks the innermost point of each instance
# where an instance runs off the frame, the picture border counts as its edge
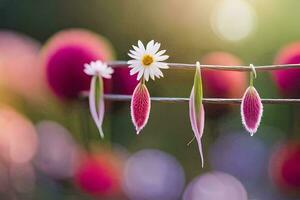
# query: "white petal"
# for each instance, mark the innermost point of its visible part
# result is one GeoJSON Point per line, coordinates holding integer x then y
{"type": "Point", "coordinates": [162, 58]}
{"type": "Point", "coordinates": [157, 72]}
{"type": "Point", "coordinates": [160, 53]}
{"type": "Point", "coordinates": [141, 72]}
{"type": "Point", "coordinates": [151, 72]}
{"type": "Point", "coordinates": [146, 74]}
{"type": "Point", "coordinates": [133, 56]}
{"type": "Point", "coordinates": [133, 62]}
{"type": "Point", "coordinates": [107, 76]}
{"type": "Point", "coordinates": [110, 70]}
{"type": "Point", "coordinates": [135, 53]}
{"type": "Point", "coordinates": [150, 45]}
{"type": "Point", "coordinates": [155, 47]}
{"type": "Point", "coordinates": [136, 49]}
{"type": "Point", "coordinates": [162, 65]}
{"type": "Point", "coordinates": [135, 70]}
{"type": "Point", "coordinates": [141, 46]}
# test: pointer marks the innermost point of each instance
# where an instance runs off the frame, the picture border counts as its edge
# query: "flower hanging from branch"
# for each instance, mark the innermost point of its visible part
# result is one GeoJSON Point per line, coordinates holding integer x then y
{"type": "Point", "coordinates": [196, 108]}
{"type": "Point", "coordinates": [146, 62]}
{"type": "Point", "coordinates": [251, 106]}
{"type": "Point", "coordinates": [97, 70]}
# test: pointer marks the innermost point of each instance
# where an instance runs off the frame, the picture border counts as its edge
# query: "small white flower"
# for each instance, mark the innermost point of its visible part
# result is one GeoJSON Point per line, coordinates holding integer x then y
{"type": "Point", "coordinates": [96, 68]}
{"type": "Point", "coordinates": [147, 61]}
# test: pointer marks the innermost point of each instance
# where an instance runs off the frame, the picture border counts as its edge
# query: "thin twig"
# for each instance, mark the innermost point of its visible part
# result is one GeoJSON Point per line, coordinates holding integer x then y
{"type": "Point", "coordinates": [118, 97]}
{"type": "Point", "coordinates": [215, 67]}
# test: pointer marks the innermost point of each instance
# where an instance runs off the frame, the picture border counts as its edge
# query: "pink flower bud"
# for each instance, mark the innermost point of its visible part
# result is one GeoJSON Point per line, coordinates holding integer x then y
{"type": "Point", "coordinates": [140, 107]}
{"type": "Point", "coordinates": [196, 109]}
{"type": "Point", "coordinates": [251, 110]}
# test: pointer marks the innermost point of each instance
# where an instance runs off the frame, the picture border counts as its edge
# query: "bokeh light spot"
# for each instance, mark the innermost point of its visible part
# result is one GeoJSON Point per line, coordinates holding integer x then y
{"type": "Point", "coordinates": [233, 20]}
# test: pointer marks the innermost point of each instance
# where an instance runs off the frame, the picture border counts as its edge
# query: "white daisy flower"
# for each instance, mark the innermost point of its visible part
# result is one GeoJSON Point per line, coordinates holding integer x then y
{"type": "Point", "coordinates": [98, 68]}
{"type": "Point", "coordinates": [147, 61]}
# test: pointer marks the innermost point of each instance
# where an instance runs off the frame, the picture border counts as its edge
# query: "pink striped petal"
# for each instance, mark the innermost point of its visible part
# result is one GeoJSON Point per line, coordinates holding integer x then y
{"type": "Point", "coordinates": [97, 113]}
{"type": "Point", "coordinates": [197, 123]}
{"type": "Point", "coordinates": [140, 107]}
{"type": "Point", "coordinates": [251, 110]}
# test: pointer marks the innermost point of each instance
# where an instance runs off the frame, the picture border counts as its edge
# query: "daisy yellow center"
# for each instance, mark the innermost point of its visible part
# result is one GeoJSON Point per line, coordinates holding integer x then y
{"type": "Point", "coordinates": [147, 60]}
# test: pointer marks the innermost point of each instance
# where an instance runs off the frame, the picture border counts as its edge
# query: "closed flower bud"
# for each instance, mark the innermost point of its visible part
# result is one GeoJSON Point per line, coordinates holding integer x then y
{"type": "Point", "coordinates": [140, 107]}
{"type": "Point", "coordinates": [251, 110]}
{"type": "Point", "coordinates": [196, 110]}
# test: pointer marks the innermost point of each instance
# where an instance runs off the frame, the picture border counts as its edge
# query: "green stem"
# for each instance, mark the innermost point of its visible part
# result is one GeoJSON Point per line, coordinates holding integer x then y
{"type": "Point", "coordinates": [251, 79]}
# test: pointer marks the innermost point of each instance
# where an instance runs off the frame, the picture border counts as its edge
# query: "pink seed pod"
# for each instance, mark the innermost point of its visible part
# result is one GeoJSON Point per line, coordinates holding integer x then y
{"type": "Point", "coordinates": [251, 110]}
{"type": "Point", "coordinates": [197, 122]}
{"type": "Point", "coordinates": [140, 107]}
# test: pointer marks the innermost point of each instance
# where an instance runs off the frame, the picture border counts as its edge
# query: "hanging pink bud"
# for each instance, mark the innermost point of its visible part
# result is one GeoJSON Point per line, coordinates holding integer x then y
{"type": "Point", "coordinates": [196, 110]}
{"type": "Point", "coordinates": [251, 110]}
{"type": "Point", "coordinates": [140, 107]}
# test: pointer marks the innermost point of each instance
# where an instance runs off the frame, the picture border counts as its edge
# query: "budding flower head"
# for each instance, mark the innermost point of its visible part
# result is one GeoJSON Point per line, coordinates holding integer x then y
{"type": "Point", "coordinates": [197, 110]}
{"type": "Point", "coordinates": [140, 107]}
{"type": "Point", "coordinates": [251, 108]}
{"type": "Point", "coordinates": [147, 62]}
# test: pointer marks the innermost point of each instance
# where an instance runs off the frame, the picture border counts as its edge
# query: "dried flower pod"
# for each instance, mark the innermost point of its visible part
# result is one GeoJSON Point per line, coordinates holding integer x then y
{"type": "Point", "coordinates": [251, 110]}
{"type": "Point", "coordinates": [196, 110]}
{"type": "Point", "coordinates": [140, 107]}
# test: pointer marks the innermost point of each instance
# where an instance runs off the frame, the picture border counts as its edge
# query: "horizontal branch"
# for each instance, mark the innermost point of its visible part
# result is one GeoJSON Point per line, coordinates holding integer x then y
{"type": "Point", "coordinates": [118, 97]}
{"type": "Point", "coordinates": [215, 67]}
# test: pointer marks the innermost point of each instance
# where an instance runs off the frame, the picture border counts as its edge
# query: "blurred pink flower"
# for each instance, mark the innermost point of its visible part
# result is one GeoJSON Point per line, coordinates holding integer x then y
{"type": "Point", "coordinates": [57, 153]}
{"type": "Point", "coordinates": [284, 167]}
{"type": "Point", "coordinates": [251, 110]}
{"type": "Point", "coordinates": [288, 80]}
{"type": "Point", "coordinates": [19, 69]}
{"type": "Point", "coordinates": [123, 83]}
{"type": "Point", "coordinates": [99, 175]}
{"type": "Point", "coordinates": [18, 138]}
{"type": "Point", "coordinates": [63, 58]}
{"type": "Point", "coordinates": [222, 84]}
{"type": "Point", "coordinates": [140, 107]}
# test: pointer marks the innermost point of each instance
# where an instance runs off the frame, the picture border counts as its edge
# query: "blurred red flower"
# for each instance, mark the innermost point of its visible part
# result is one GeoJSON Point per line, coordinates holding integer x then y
{"type": "Point", "coordinates": [285, 167]}
{"type": "Point", "coordinates": [99, 175]}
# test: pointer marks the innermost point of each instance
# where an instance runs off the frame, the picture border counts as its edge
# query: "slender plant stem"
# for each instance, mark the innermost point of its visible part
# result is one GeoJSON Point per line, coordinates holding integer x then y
{"type": "Point", "coordinates": [118, 97]}
{"type": "Point", "coordinates": [123, 64]}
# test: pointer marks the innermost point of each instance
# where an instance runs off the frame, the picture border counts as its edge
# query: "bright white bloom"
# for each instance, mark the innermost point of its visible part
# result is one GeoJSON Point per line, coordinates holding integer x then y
{"type": "Point", "coordinates": [98, 68]}
{"type": "Point", "coordinates": [147, 61]}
